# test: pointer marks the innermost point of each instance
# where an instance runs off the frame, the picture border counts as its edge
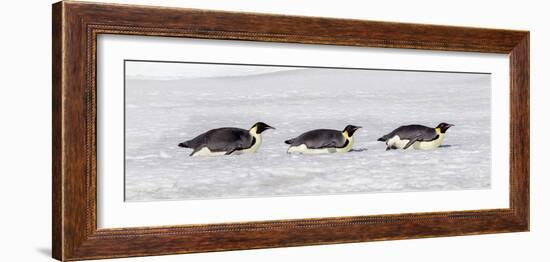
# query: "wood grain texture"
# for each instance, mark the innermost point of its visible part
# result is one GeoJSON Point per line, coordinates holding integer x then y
{"type": "Point", "coordinates": [519, 129]}
{"type": "Point", "coordinates": [57, 190]}
{"type": "Point", "coordinates": [76, 26]}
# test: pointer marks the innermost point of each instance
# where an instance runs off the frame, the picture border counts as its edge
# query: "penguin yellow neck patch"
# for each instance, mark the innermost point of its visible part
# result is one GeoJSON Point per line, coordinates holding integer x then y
{"type": "Point", "coordinates": [254, 131]}
{"type": "Point", "coordinates": [345, 134]}
{"type": "Point", "coordinates": [438, 131]}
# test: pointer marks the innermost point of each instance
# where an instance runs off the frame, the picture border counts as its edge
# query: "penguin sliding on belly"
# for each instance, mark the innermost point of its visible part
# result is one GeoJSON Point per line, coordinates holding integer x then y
{"type": "Point", "coordinates": [322, 141]}
{"type": "Point", "coordinates": [417, 136]}
{"type": "Point", "coordinates": [227, 141]}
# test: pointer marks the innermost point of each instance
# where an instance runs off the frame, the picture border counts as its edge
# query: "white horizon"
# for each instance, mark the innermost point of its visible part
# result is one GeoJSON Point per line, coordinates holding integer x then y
{"type": "Point", "coordinates": [171, 70]}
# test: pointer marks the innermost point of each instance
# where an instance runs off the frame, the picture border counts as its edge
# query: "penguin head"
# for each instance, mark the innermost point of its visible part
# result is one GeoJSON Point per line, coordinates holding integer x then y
{"type": "Point", "coordinates": [350, 129]}
{"type": "Point", "coordinates": [444, 126]}
{"type": "Point", "coordinates": [261, 127]}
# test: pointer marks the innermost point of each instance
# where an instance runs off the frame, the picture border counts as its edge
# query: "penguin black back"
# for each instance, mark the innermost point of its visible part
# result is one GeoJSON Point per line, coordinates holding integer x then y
{"type": "Point", "coordinates": [320, 135]}
{"type": "Point", "coordinates": [218, 137]}
{"type": "Point", "coordinates": [227, 140]}
{"type": "Point", "coordinates": [408, 132]}
{"type": "Point", "coordinates": [322, 138]}
{"type": "Point", "coordinates": [417, 136]}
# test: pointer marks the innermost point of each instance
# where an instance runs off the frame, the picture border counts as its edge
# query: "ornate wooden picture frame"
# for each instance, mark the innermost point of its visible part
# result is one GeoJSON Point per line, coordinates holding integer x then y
{"type": "Point", "coordinates": [76, 26]}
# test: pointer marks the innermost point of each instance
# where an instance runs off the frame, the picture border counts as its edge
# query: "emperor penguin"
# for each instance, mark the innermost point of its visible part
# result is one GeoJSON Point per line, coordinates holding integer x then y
{"type": "Point", "coordinates": [418, 136]}
{"type": "Point", "coordinates": [322, 141]}
{"type": "Point", "coordinates": [227, 141]}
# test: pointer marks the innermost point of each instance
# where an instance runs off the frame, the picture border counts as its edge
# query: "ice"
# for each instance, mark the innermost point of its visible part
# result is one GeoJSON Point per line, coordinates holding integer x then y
{"type": "Point", "coordinates": [162, 113]}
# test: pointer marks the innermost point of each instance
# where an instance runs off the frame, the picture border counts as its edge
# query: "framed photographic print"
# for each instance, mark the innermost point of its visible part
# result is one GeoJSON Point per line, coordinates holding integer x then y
{"type": "Point", "coordinates": [182, 130]}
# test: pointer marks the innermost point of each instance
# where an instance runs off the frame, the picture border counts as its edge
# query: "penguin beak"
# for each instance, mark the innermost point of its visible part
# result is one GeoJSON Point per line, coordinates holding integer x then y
{"type": "Point", "coordinates": [269, 127]}
{"type": "Point", "coordinates": [358, 127]}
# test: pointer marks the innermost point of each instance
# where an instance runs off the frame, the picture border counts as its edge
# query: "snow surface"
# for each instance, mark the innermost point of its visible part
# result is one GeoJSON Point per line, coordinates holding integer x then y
{"type": "Point", "coordinates": [162, 113]}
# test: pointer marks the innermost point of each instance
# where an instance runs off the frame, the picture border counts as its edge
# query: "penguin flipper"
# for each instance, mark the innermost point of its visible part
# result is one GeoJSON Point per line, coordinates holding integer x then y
{"type": "Point", "coordinates": [411, 142]}
{"type": "Point", "coordinates": [231, 151]}
{"type": "Point", "coordinates": [234, 148]}
{"type": "Point", "coordinates": [328, 144]}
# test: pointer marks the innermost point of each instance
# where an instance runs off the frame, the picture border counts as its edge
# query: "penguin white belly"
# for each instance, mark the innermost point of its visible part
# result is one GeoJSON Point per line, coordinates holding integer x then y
{"type": "Point", "coordinates": [397, 142]}
{"type": "Point", "coordinates": [206, 152]}
{"type": "Point", "coordinates": [302, 149]}
{"type": "Point", "coordinates": [429, 145]}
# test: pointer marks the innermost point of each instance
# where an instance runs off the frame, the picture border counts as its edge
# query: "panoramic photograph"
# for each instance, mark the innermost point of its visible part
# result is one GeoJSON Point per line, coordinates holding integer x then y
{"type": "Point", "coordinates": [209, 130]}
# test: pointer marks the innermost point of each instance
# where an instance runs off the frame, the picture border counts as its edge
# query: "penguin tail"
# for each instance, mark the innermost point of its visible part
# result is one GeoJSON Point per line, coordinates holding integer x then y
{"type": "Point", "coordinates": [184, 144]}
{"type": "Point", "coordinates": [289, 142]}
{"type": "Point", "coordinates": [383, 139]}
